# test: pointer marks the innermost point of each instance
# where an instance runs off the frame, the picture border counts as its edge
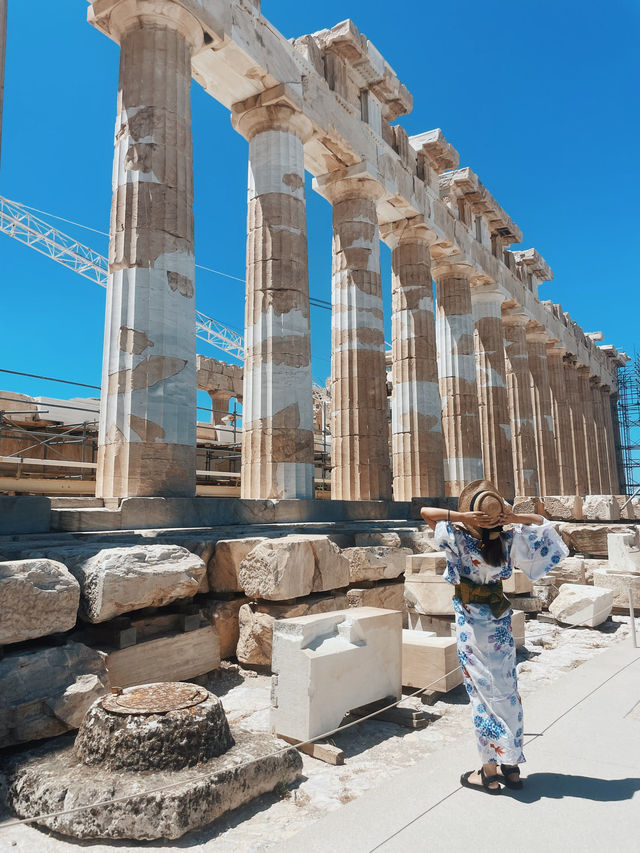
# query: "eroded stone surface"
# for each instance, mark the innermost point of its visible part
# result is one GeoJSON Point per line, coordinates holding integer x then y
{"type": "Point", "coordinates": [600, 508]}
{"type": "Point", "coordinates": [591, 539]}
{"type": "Point", "coordinates": [37, 597]}
{"type": "Point", "coordinates": [118, 580]}
{"type": "Point", "coordinates": [375, 562]}
{"type": "Point", "coordinates": [46, 692]}
{"type": "Point", "coordinates": [223, 615]}
{"type": "Point", "coordinates": [582, 605]}
{"type": "Point", "coordinates": [224, 566]}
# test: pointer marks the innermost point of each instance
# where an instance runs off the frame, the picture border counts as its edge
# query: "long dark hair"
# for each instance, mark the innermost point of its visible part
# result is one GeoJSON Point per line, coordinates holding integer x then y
{"type": "Point", "coordinates": [492, 550]}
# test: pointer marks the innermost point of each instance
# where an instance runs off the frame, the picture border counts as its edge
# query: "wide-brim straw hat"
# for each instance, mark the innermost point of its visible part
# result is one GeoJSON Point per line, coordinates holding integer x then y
{"type": "Point", "coordinates": [480, 496]}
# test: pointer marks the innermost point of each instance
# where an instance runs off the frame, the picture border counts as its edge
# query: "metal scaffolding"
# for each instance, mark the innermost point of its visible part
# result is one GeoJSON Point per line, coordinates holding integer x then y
{"type": "Point", "coordinates": [629, 418]}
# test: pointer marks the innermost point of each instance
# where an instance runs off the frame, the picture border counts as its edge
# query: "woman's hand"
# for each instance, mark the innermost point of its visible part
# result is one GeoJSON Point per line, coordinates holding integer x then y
{"type": "Point", "coordinates": [478, 519]}
{"type": "Point", "coordinates": [507, 517]}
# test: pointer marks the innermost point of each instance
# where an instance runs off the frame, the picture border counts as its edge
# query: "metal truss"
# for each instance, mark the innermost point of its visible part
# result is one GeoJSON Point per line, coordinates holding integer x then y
{"type": "Point", "coordinates": [18, 222]}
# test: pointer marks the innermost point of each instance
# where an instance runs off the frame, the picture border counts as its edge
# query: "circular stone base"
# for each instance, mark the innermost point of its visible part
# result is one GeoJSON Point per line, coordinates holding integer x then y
{"type": "Point", "coordinates": [51, 779]}
{"type": "Point", "coordinates": [164, 726]}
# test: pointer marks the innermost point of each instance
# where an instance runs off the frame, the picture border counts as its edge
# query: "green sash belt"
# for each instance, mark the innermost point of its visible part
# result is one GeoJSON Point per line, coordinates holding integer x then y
{"type": "Point", "coordinates": [477, 593]}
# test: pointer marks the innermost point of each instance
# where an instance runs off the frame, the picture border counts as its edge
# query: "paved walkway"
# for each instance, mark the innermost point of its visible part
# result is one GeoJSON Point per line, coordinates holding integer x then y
{"type": "Point", "coordinates": [582, 789]}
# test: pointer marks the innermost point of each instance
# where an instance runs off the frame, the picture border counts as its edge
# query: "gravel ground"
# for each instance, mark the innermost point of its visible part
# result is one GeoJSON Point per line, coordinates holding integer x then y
{"type": "Point", "coordinates": [374, 751]}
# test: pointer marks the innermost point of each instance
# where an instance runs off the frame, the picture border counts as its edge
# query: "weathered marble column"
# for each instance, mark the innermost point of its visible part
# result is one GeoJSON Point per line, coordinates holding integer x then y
{"type": "Point", "coordinates": [457, 377]}
{"type": "Point", "coordinates": [523, 442]}
{"type": "Point", "coordinates": [277, 414]}
{"type": "Point", "coordinates": [572, 382]}
{"type": "Point", "coordinates": [359, 423]}
{"type": "Point", "coordinates": [561, 420]}
{"type": "Point", "coordinates": [602, 452]}
{"type": "Point", "coordinates": [147, 439]}
{"type": "Point", "coordinates": [548, 474]}
{"type": "Point", "coordinates": [417, 449]}
{"type": "Point", "coordinates": [611, 428]}
{"type": "Point", "coordinates": [491, 376]}
{"type": "Point", "coordinates": [589, 427]}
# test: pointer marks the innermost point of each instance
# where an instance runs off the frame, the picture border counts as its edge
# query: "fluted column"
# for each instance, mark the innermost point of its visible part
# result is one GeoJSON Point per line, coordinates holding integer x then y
{"type": "Point", "coordinates": [577, 425]}
{"type": "Point", "coordinates": [523, 442]}
{"type": "Point", "coordinates": [147, 438]}
{"type": "Point", "coordinates": [277, 413]}
{"type": "Point", "coordinates": [589, 427]}
{"type": "Point", "coordinates": [547, 456]}
{"type": "Point", "coordinates": [416, 426]}
{"type": "Point", "coordinates": [491, 377]}
{"type": "Point", "coordinates": [561, 420]}
{"type": "Point", "coordinates": [457, 377]}
{"type": "Point", "coordinates": [359, 423]}
{"type": "Point", "coordinates": [611, 428]}
{"type": "Point", "coordinates": [602, 450]}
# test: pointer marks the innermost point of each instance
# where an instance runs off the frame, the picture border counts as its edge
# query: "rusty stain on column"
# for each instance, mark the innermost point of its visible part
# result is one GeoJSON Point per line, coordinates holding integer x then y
{"type": "Point", "coordinates": [610, 428]}
{"type": "Point", "coordinates": [457, 377]}
{"type": "Point", "coordinates": [577, 425]}
{"type": "Point", "coordinates": [359, 423]}
{"type": "Point", "coordinates": [548, 474]}
{"type": "Point", "coordinates": [523, 442]}
{"type": "Point", "coordinates": [590, 436]}
{"type": "Point", "coordinates": [147, 439]}
{"type": "Point", "coordinates": [491, 377]}
{"type": "Point", "coordinates": [277, 417]}
{"type": "Point", "coordinates": [561, 419]}
{"type": "Point", "coordinates": [417, 448]}
{"type": "Point", "coordinates": [602, 452]}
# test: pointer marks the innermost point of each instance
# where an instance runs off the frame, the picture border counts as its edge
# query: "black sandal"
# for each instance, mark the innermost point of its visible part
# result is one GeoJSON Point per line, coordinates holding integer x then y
{"type": "Point", "coordinates": [486, 781]}
{"type": "Point", "coordinates": [508, 770]}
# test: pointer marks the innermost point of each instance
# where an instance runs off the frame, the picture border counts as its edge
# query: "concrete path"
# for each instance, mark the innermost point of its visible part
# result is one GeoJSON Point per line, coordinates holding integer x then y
{"type": "Point", "coordinates": [582, 788]}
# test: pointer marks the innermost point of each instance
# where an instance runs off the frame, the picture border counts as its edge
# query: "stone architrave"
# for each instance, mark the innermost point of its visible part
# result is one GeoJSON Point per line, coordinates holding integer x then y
{"type": "Point", "coordinates": [457, 377]}
{"type": "Point", "coordinates": [416, 426]}
{"type": "Point", "coordinates": [37, 597]}
{"type": "Point", "coordinates": [611, 440]}
{"type": "Point", "coordinates": [590, 432]}
{"type": "Point", "coordinates": [359, 423]}
{"type": "Point", "coordinates": [491, 376]}
{"type": "Point", "coordinates": [602, 455]}
{"type": "Point", "coordinates": [547, 455]}
{"type": "Point", "coordinates": [147, 438]}
{"type": "Point", "coordinates": [561, 420]}
{"type": "Point", "coordinates": [572, 381]}
{"type": "Point", "coordinates": [277, 416]}
{"type": "Point", "coordinates": [523, 442]}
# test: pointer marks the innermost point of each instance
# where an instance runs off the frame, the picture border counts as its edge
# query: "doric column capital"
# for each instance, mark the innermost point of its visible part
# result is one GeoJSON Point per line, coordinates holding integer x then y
{"type": "Point", "coordinates": [514, 317]}
{"type": "Point", "coordinates": [117, 17]}
{"type": "Point", "coordinates": [536, 332]}
{"type": "Point", "coordinates": [487, 293]}
{"type": "Point", "coordinates": [407, 231]}
{"type": "Point", "coordinates": [275, 109]}
{"type": "Point", "coordinates": [349, 183]}
{"type": "Point", "coordinates": [445, 268]}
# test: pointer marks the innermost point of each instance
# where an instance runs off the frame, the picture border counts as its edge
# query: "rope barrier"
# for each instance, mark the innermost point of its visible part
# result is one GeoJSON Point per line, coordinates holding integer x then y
{"type": "Point", "coordinates": [205, 776]}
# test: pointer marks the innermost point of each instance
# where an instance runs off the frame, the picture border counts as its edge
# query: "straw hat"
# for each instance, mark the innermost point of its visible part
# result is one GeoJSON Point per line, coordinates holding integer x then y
{"type": "Point", "coordinates": [480, 496]}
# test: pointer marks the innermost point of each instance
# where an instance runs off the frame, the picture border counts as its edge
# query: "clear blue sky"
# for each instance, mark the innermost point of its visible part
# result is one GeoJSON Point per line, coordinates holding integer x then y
{"type": "Point", "coordinates": [539, 97]}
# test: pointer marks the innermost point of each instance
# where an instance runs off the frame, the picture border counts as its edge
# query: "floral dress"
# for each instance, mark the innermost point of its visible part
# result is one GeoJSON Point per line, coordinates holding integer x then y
{"type": "Point", "coordinates": [486, 648]}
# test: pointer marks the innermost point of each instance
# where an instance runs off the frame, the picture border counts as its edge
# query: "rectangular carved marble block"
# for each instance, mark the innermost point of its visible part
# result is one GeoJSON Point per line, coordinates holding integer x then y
{"type": "Point", "coordinates": [328, 663]}
{"type": "Point", "coordinates": [430, 661]}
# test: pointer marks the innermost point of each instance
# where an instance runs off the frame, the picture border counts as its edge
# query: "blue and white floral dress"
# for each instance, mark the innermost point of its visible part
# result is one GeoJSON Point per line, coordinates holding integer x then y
{"type": "Point", "coordinates": [486, 648]}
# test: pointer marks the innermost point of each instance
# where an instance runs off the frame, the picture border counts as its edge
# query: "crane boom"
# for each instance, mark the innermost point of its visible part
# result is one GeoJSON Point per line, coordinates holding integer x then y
{"type": "Point", "coordinates": [18, 222]}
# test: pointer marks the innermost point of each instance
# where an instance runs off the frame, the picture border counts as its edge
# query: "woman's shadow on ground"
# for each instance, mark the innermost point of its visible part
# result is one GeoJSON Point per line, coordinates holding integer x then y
{"type": "Point", "coordinates": [555, 786]}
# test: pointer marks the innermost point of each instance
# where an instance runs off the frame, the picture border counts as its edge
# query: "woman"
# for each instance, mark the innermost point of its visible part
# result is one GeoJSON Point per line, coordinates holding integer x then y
{"type": "Point", "coordinates": [479, 556]}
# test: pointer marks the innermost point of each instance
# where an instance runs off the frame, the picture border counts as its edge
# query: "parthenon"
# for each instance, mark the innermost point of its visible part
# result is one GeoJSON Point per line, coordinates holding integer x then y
{"type": "Point", "coordinates": [498, 381]}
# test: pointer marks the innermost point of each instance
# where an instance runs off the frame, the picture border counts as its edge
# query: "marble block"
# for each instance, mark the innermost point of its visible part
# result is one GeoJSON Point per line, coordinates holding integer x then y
{"type": "Point", "coordinates": [430, 661]}
{"type": "Point", "coordinates": [582, 605]}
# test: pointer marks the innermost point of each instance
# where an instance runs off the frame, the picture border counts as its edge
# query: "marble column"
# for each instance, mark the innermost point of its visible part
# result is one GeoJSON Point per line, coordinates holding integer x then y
{"type": "Point", "coordinates": [611, 428]}
{"type": "Point", "coordinates": [561, 420]}
{"type": "Point", "coordinates": [359, 422]}
{"type": "Point", "coordinates": [416, 440]}
{"type": "Point", "coordinates": [457, 377]}
{"type": "Point", "coordinates": [523, 441]}
{"type": "Point", "coordinates": [572, 382]}
{"type": "Point", "coordinates": [602, 450]}
{"type": "Point", "coordinates": [546, 453]}
{"type": "Point", "coordinates": [147, 438]}
{"type": "Point", "coordinates": [277, 414]}
{"type": "Point", "coordinates": [589, 427]}
{"type": "Point", "coordinates": [491, 377]}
